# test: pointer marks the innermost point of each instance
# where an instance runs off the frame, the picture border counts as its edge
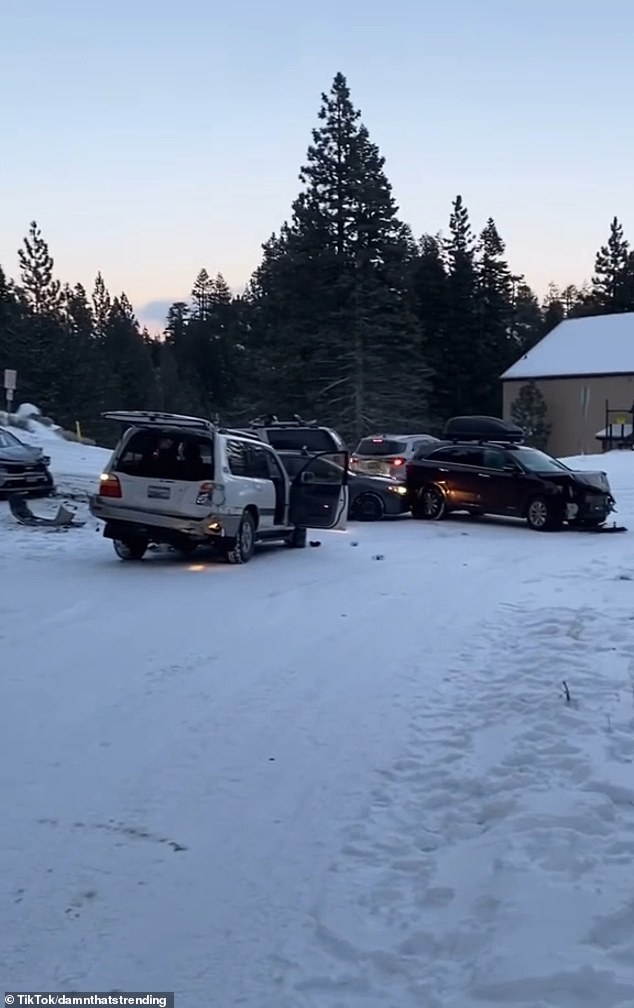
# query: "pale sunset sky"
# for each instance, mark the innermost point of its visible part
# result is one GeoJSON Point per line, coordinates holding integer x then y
{"type": "Point", "coordinates": [151, 139]}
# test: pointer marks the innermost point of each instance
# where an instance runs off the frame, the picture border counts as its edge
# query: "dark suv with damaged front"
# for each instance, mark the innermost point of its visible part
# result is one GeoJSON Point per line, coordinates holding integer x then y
{"type": "Point", "coordinates": [482, 467]}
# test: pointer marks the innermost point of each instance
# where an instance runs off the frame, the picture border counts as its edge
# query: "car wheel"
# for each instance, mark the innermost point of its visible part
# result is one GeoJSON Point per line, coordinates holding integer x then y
{"type": "Point", "coordinates": [433, 506]}
{"type": "Point", "coordinates": [297, 538]}
{"type": "Point", "coordinates": [367, 507]}
{"type": "Point", "coordinates": [130, 549]}
{"type": "Point", "coordinates": [542, 515]}
{"type": "Point", "coordinates": [243, 548]}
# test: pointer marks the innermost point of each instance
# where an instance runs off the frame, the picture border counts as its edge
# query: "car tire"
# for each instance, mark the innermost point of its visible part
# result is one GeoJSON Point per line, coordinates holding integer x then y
{"type": "Point", "coordinates": [242, 549]}
{"type": "Point", "coordinates": [431, 504]}
{"type": "Point", "coordinates": [367, 507]}
{"type": "Point", "coordinates": [297, 538]}
{"type": "Point", "coordinates": [543, 515]}
{"type": "Point", "coordinates": [130, 549]}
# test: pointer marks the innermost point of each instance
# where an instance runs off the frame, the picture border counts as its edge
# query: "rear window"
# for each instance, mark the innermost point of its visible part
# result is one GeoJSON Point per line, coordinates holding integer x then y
{"type": "Point", "coordinates": [380, 446]}
{"type": "Point", "coordinates": [293, 463]}
{"type": "Point", "coordinates": [169, 455]}
{"type": "Point", "coordinates": [314, 439]}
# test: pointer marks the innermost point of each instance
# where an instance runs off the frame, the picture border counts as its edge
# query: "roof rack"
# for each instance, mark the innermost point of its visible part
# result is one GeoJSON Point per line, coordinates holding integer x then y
{"type": "Point", "coordinates": [239, 432]}
{"type": "Point", "coordinates": [271, 420]}
{"type": "Point", "coordinates": [155, 418]}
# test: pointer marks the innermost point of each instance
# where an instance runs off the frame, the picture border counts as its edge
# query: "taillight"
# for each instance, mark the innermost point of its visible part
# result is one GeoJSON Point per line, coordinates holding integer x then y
{"type": "Point", "coordinates": [109, 486]}
{"type": "Point", "coordinates": [397, 461]}
{"type": "Point", "coordinates": [205, 491]}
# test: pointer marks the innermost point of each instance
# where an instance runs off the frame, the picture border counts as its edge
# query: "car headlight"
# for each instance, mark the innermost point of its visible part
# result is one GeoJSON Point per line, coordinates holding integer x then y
{"type": "Point", "coordinates": [398, 489]}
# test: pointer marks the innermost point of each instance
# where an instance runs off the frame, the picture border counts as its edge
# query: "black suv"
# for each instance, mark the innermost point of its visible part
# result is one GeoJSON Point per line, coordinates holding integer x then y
{"type": "Point", "coordinates": [297, 435]}
{"type": "Point", "coordinates": [482, 467]}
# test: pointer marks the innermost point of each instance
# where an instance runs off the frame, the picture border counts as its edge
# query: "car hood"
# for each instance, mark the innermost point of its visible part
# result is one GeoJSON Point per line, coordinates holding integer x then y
{"type": "Point", "coordinates": [21, 453]}
{"type": "Point", "coordinates": [596, 480]}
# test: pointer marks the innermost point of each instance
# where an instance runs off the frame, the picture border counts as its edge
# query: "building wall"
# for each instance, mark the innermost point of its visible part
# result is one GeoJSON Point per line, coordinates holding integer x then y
{"type": "Point", "coordinates": [576, 408]}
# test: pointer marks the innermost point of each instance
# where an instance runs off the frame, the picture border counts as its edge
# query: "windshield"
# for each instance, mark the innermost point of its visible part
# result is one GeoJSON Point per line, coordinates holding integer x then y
{"type": "Point", "coordinates": [9, 441]}
{"type": "Point", "coordinates": [538, 462]}
{"type": "Point", "coordinates": [380, 446]}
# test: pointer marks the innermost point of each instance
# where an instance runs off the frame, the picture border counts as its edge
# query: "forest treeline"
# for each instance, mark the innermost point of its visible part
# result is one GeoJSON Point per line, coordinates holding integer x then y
{"type": "Point", "coordinates": [349, 318]}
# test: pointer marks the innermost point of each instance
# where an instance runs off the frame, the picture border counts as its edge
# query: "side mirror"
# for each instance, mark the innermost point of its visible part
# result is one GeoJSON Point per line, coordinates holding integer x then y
{"type": "Point", "coordinates": [307, 477]}
{"type": "Point", "coordinates": [513, 470]}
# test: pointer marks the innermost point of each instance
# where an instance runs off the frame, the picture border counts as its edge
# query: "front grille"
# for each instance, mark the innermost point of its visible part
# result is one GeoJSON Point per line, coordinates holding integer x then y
{"type": "Point", "coordinates": [23, 468]}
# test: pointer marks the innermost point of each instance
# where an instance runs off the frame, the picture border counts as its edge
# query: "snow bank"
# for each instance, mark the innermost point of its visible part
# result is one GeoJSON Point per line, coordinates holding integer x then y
{"type": "Point", "coordinates": [75, 466]}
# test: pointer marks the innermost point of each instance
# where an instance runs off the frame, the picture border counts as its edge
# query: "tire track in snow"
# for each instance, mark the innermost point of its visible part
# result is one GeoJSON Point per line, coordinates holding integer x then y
{"type": "Point", "coordinates": [484, 869]}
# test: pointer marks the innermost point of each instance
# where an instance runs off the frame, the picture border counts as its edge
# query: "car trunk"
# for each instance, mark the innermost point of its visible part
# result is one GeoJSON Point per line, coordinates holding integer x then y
{"type": "Point", "coordinates": [378, 457]}
{"type": "Point", "coordinates": [164, 472]}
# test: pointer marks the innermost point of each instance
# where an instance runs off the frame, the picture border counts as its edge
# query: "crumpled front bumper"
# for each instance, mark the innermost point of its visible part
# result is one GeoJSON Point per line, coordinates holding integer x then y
{"type": "Point", "coordinates": [592, 507]}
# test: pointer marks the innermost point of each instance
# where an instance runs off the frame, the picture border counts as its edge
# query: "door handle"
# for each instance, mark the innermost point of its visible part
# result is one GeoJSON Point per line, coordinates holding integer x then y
{"type": "Point", "coordinates": [440, 469]}
{"type": "Point", "coordinates": [485, 475]}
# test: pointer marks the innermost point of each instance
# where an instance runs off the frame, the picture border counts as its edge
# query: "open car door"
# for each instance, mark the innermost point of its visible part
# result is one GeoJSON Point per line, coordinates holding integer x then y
{"type": "Point", "coordinates": [319, 492]}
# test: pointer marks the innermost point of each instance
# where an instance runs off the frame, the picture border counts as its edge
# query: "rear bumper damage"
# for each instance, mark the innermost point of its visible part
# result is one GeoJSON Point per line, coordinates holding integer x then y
{"type": "Point", "coordinates": [122, 523]}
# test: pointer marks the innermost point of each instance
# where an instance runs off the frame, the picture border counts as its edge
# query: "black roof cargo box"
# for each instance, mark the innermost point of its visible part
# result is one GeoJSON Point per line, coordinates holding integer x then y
{"type": "Point", "coordinates": [483, 428]}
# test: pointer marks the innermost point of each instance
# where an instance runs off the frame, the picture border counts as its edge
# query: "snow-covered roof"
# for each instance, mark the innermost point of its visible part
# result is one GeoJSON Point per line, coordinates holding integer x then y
{"type": "Point", "coordinates": [615, 432]}
{"type": "Point", "coordinates": [596, 345]}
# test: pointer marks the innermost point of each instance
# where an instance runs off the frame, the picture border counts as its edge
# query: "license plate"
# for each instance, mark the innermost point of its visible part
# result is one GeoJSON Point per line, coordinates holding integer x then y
{"type": "Point", "coordinates": [32, 479]}
{"type": "Point", "coordinates": [159, 492]}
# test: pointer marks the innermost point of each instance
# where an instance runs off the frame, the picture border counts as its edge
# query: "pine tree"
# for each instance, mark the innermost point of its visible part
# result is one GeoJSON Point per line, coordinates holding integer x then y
{"type": "Point", "coordinates": [43, 369]}
{"type": "Point", "coordinates": [495, 347]}
{"type": "Point", "coordinates": [458, 376]}
{"type": "Point", "coordinates": [529, 411]}
{"type": "Point", "coordinates": [102, 306]}
{"type": "Point", "coordinates": [612, 284]}
{"type": "Point", "coordinates": [202, 294]}
{"type": "Point", "coordinates": [331, 298]}
{"type": "Point", "coordinates": [553, 310]}
{"type": "Point", "coordinates": [430, 294]}
{"type": "Point", "coordinates": [39, 288]}
{"type": "Point", "coordinates": [528, 319]}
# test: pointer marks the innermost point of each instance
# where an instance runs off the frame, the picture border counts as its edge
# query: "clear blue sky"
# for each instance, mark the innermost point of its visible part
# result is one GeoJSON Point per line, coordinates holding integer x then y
{"type": "Point", "coordinates": [151, 139]}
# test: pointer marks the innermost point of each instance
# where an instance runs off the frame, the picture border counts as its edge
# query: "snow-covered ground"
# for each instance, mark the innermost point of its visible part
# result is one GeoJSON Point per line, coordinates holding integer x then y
{"type": "Point", "coordinates": [323, 780]}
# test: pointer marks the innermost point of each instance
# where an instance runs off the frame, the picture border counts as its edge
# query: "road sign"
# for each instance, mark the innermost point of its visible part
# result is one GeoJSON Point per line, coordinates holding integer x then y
{"type": "Point", "coordinates": [10, 380]}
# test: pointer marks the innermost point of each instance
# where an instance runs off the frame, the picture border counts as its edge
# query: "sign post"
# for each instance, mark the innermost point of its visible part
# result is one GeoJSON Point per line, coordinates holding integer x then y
{"type": "Point", "coordinates": [10, 381]}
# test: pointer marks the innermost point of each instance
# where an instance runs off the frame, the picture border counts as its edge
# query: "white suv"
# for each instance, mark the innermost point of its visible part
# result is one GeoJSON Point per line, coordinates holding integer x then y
{"type": "Point", "coordinates": [183, 481]}
{"type": "Point", "coordinates": [388, 454]}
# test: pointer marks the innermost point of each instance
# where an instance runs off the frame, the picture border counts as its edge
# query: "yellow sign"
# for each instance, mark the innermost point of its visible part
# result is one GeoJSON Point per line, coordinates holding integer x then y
{"type": "Point", "coordinates": [623, 418]}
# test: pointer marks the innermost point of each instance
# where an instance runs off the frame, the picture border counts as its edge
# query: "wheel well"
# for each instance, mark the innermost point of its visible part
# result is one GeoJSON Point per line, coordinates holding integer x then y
{"type": "Point", "coordinates": [551, 501]}
{"type": "Point", "coordinates": [431, 486]}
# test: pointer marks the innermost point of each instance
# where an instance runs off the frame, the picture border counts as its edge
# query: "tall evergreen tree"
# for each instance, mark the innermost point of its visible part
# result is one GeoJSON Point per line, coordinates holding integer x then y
{"type": "Point", "coordinates": [554, 309]}
{"type": "Point", "coordinates": [528, 320]}
{"type": "Point", "coordinates": [613, 282]}
{"type": "Point", "coordinates": [430, 294]}
{"type": "Point", "coordinates": [43, 377]}
{"type": "Point", "coordinates": [495, 348]}
{"type": "Point", "coordinates": [458, 378]}
{"type": "Point", "coordinates": [38, 285]}
{"type": "Point", "coordinates": [333, 289]}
